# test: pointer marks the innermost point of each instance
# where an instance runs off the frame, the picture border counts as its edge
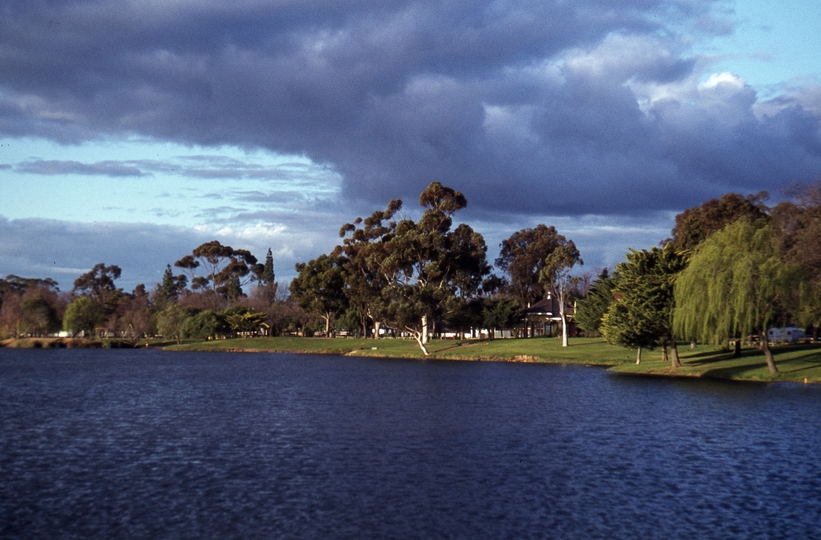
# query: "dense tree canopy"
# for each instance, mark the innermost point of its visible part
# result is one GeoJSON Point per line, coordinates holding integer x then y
{"type": "Point", "coordinates": [410, 274]}
{"type": "Point", "coordinates": [695, 225]}
{"type": "Point", "coordinates": [591, 308]}
{"type": "Point", "coordinates": [641, 315]}
{"type": "Point", "coordinates": [83, 315]}
{"type": "Point", "coordinates": [320, 288]}
{"type": "Point", "coordinates": [522, 258]}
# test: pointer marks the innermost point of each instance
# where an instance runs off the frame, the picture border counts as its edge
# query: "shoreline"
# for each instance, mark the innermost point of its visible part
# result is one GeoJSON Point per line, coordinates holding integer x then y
{"type": "Point", "coordinates": [796, 363]}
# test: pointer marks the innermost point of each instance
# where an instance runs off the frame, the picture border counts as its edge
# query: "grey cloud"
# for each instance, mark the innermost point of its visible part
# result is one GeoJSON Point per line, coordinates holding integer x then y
{"type": "Point", "coordinates": [537, 108]}
{"type": "Point", "coordinates": [103, 168]}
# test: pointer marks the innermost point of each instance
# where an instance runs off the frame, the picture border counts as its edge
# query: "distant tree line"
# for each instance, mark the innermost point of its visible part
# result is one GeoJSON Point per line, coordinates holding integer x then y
{"type": "Point", "coordinates": [732, 267]}
{"type": "Point", "coordinates": [205, 300]}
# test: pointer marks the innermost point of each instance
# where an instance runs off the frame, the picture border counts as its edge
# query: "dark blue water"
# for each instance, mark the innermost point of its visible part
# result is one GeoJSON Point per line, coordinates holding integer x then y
{"type": "Point", "coordinates": [145, 444]}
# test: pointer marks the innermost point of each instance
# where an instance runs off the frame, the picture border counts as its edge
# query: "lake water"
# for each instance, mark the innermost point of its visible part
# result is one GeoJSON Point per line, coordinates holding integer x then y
{"type": "Point", "coordinates": [147, 444]}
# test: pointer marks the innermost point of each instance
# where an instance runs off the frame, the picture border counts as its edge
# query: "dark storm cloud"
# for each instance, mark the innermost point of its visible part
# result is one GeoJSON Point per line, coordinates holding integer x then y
{"type": "Point", "coordinates": [553, 107]}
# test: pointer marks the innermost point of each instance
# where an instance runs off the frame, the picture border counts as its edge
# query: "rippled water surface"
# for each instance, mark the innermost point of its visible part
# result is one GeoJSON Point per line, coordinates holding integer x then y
{"type": "Point", "coordinates": [146, 444]}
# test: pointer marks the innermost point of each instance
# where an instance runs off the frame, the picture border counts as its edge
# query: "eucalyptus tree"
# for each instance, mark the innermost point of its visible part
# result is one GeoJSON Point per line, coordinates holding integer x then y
{"type": "Point", "coordinates": [431, 269]}
{"type": "Point", "coordinates": [409, 274]}
{"type": "Point", "coordinates": [555, 276]}
{"type": "Point", "coordinates": [98, 284]}
{"type": "Point", "coordinates": [363, 250]}
{"type": "Point", "coordinates": [641, 315]}
{"type": "Point", "coordinates": [522, 257]}
{"type": "Point", "coordinates": [226, 269]}
{"type": "Point", "coordinates": [733, 286]}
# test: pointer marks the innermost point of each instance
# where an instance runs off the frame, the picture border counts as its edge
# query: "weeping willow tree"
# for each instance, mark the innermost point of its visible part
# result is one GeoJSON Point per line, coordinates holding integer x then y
{"type": "Point", "coordinates": [734, 285]}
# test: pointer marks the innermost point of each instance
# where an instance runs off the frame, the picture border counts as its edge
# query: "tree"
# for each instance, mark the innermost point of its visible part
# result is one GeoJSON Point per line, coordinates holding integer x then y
{"type": "Point", "coordinates": [204, 325]}
{"type": "Point", "coordinates": [522, 258]}
{"type": "Point", "coordinates": [591, 308]}
{"type": "Point", "coordinates": [555, 276]}
{"type": "Point", "coordinates": [227, 269]}
{"type": "Point", "coordinates": [171, 286]}
{"type": "Point", "coordinates": [798, 223]}
{"type": "Point", "coordinates": [363, 248]}
{"type": "Point", "coordinates": [733, 285]}
{"type": "Point", "coordinates": [243, 320]}
{"type": "Point", "coordinates": [411, 274]}
{"type": "Point", "coordinates": [641, 315]}
{"type": "Point", "coordinates": [83, 315]}
{"type": "Point", "coordinates": [319, 288]}
{"type": "Point", "coordinates": [430, 269]}
{"type": "Point", "coordinates": [98, 283]}
{"type": "Point", "coordinates": [501, 312]}
{"type": "Point", "coordinates": [40, 312]}
{"type": "Point", "coordinates": [267, 277]}
{"type": "Point", "coordinates": [696, 224]}
{"type": "Point", "coordinates": [170, 321]}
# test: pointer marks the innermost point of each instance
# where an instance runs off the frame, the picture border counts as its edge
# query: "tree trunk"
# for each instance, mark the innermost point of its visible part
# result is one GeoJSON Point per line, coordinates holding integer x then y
{"type": "Point", "coordinates": [638, 356]}
{"type": "Point", "coordinates": [737, 349]}
{"type": "Point", "coordinates": [768, 354]}
{"type": "Point", "coordinates": [419, 339]}
{"type": "Point", "coordinates": [664, 356]}
{"type": "Point", "coordinates": [564, 322]}
{"type": "Point", "coordinates": [376, 326]}
{"type": "Point", "coordinates": [675, 363]}
{"type": "Point", "coordinates": [425, 337]}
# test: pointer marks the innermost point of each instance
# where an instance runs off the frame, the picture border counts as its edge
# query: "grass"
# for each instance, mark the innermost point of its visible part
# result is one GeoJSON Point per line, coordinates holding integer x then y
{"type": "Point", "coordinates": [795, 362]}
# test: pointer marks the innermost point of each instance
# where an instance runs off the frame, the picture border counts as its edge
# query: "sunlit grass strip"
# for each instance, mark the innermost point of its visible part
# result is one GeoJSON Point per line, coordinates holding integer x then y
{"type": "Point", "coordinates": [795, 363]}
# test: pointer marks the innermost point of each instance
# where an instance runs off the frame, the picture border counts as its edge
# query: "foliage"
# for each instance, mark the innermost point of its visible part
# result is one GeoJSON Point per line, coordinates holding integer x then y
{"type": "Point", "coordinates": [243, 320]}
{"type": "Point", "coordinates": [171, 286]}
{"type": "Point", "coordinates": [733, 286]}
{"type": "Point", "coordinates": [363, 248]}
{"type": "Point", "coordinates": [695, 225]}
{"type": "Point", "coordinates": [267, 277]}
{"type": "Point", "coordinates": [522, 258]}
{"type": "Point", "coordinates": [227, 269]}
{"type": "Point", "coordinates": [83, 314]}
{"type": "Point", "coordinates": [170, 321]}
{"type": "Point", "coordinates": [98, 283]}
{"type": "Point", "coordinates": [204, 325]}
{"type": "Point", "coordinates": [591, 309]}
{"type": "Point", "coordinates": [430, 269]}
{"type": "Point", "coordinates": [319, 288]}
{"type": "Point", "coordinates": [501, 312]}
{"type": "Point", "coordinates": [798, 224]}
{"type": "Point", "coordinates": [411, 274]}
{"type": "Point", "coordinates": [641, 315]}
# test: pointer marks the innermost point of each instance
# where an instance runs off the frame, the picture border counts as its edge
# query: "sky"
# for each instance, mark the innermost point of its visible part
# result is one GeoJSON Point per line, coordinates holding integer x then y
{"type": "Point", "coordinates": [131, 131]}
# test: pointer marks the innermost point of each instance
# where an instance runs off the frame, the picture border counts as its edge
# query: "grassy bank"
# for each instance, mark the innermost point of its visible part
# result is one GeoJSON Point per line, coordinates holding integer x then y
{"type": "Point", "coordinates": [796, 362]}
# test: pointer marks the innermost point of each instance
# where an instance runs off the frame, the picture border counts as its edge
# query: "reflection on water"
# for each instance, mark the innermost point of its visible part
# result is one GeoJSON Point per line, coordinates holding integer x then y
{"type": "Point", "coordinates": [145, 444]}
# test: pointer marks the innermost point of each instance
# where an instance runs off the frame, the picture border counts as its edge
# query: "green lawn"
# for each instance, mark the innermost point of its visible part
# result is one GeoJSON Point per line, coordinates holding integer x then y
{"type": "Point", "coordinates": [795, 362]}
